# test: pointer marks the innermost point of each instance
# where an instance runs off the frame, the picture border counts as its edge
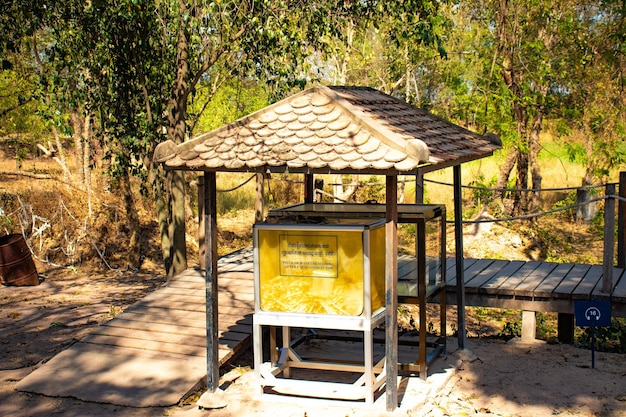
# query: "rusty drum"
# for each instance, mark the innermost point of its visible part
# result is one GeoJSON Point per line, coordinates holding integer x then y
{"type": "Point", "coordinates": [16, 263]}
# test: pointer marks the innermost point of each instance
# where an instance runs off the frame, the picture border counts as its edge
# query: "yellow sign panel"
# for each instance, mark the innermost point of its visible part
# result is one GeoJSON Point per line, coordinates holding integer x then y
{"type": "Point", "coordinates": [308, 256]}
{"type": "Point", "coordinates": [320, 272]}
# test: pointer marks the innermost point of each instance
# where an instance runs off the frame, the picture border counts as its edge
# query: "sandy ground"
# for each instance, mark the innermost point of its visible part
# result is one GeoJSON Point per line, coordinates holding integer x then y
{"type": "Point", "coordinates": [490, 377]}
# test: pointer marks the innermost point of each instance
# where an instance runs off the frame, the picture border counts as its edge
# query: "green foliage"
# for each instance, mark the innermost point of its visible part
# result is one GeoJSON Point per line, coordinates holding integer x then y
{"type": "Point", "coordinates": [608, 339]}
{"type": "Point", "coordinates": [483, 192]}
{"type": "Point", "coordinates": [546, 329]}
{"type": "Point", "coordinates": [283, 190]}
{"type": "Point", "coordinates": [511, 329]}
{"type": "Point", "coordinates": [369, 189]}
{"type": "Point", "coordinates": [233, 100]}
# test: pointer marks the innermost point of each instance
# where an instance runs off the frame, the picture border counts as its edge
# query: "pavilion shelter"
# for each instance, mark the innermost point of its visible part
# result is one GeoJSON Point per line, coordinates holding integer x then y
{"type": "Point", "coordinates": [333, 130]}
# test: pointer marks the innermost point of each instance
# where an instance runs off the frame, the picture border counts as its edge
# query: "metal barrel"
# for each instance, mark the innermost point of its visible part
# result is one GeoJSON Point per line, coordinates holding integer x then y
{"type": "Point", "coordinates": [16, 263]}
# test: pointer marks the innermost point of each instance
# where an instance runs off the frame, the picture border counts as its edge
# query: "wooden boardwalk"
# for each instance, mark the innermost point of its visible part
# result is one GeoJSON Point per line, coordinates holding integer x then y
{"type": "Point", "coordinates": [154, 353]}
{"type": "Point", "coordinates": [533, 286]}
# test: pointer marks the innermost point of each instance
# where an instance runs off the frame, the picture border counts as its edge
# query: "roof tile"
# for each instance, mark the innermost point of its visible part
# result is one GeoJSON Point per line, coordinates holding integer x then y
{"type": "Point", "coordinates": [307, 118]}
{"type": "Point", "coordinates": [287, 118]}
{"type": "Point", "coordinates": [321, 110]}
{"type": "Point", "coordinates": [330, 128]}
{"type": "Point", "coordinates": [305, 133]}
{"type": "Point", "coordinates": [339, 124]}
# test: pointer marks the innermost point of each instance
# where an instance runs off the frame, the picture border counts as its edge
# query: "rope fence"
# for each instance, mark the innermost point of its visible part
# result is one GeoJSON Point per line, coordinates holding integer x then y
{"type": "Point", "coordinates": [472, 187]}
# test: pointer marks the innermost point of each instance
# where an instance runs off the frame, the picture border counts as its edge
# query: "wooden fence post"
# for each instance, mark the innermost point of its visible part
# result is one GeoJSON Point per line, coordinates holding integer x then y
{"type": "Point", "coordinates": [609, 239]}
{"type": "Point", "coordinates": [259, 203]}
{"type": "Point", "coordinates": [621, 222]}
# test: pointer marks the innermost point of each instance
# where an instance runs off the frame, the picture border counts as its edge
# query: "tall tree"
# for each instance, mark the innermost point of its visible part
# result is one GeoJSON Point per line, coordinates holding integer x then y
{"type": "Point", "coordinates": [593, 116]}
{"type": "Point", "coordinates": [131, 68]}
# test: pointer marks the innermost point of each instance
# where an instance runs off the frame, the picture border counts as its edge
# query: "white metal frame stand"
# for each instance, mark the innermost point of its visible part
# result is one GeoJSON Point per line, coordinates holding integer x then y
{"type": "Point", "coordinates": [269, 373]}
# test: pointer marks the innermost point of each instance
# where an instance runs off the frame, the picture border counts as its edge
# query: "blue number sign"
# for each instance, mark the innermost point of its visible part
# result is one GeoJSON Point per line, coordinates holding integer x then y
{"type": "Point", "coordinates": [593, 312]}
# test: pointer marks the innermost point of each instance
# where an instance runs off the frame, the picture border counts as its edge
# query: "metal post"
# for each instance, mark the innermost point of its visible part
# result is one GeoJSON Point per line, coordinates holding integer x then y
{"type": "Point", "coordinates": [609, 239]}
{"type": "Point", "coordinates": [458, 235]}
{"type": "Point", "coordinates": [201, 231]}
{"type": "Point", "coordinates": [391, 293]}
{"type": "Point", "coordinates": [210, 225]}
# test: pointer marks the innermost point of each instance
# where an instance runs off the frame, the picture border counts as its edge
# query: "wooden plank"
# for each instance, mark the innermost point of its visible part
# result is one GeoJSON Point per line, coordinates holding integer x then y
{"type": "Point", "coordinates": [245, 301]}
{"type": "Point", "coordinates": [451, 270]}
{"type": "Point", "coordinates": [172, 317]}
{"type": "Point", "coordinates": [225, 283]}
{"type": "Point", "coordinates": [570, 281]}
{"type": "Point", "coordinates": [174, 305]}
{"type": "Point", "coordinates": [191, 286]}
{"type": "Point", "coordinates": [233, 325]}
{"type": "Point", "coordinates": [159, 347]}
{"type": "Point", "coordinates": [173, 290]}
{"type": "Point", "coordinates": [189, 339]}
{"type": "Point", "coordinates": [186, 349]}
{"type": "Point", "coordinates": [619, 291]}
{"type": "Point", "coordinates": [491, 286]}
{"type": "Point", "coordinates": [475, 269]}
{"type": "Point", "coordinates": [127, 323]}
{"type": "Point", "coordinates": [597, 293]}
{"type": "Point", "coordinates": [243, 272]}
{"type": "Point", "coordinates": [191, 298]}
{"type": "Point", "coordinates": [552, 281]}
{"type": "Point", "coordinates": [407, 268]}
{"type": "Point", "coordinates": [527, 287]}
{"type": "Point", "coordinates": [585, 287]}
{"type": "Point", "coordinates": [236, 318]}
{"type": "Point", "coordinates": [509, 285]}
{"type": "Point", "coordinates": [151, 340]}
{"type": "Point", "coordinates": [485, 275]}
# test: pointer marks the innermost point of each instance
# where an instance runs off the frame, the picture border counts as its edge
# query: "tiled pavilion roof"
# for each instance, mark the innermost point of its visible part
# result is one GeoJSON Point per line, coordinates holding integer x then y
{"type": "Point", "coordinates": [331, 129]}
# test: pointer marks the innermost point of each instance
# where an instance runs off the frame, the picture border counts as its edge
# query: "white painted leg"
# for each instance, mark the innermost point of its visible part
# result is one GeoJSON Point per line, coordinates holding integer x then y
{"type": "Point", "coordinates": [368, 344]}
{"type": "Point", "coordinates": [257, 343]}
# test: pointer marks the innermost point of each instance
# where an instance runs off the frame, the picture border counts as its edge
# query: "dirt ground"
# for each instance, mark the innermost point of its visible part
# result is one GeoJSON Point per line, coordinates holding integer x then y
{"type": "Point", "coordinates": [491, 377]}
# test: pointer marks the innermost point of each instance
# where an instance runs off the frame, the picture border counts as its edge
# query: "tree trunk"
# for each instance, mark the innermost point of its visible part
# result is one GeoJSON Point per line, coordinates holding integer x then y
{"type": "Point", "coordinates": [77, 125]}
{"type": "Point", "coordinates": [176, 256]}
{"type": "Point", "coordinates": [134, 241]}
{"type": "Point", "coordinates": [178, 250]}
{"type": "Point", "coordinates": [505, 172]}
{"type": "Point", "coordinates": [535, 169]}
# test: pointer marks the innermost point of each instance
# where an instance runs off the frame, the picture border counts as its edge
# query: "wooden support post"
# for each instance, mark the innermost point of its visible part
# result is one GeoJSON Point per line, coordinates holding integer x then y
{"type": "Point", "coordinates": [201, 242]}
{"type": "Point", "coordinates": [609, 240]}
{"type": "Point", "coordinates": [391, 293]}
{"type": "Point", "coordinates": [259, 204]}
{"type": "Point", "coordinates": [621, 222]}
{"type": "Point", "coordinates": [421, 295]}
{"type": "Point", "coordinates": [419, 188]}
{"type": "Point", "coordinates": [443, 297]}
{"type": "Point", "coordinates": [309, 191]}
{"type": "Point", "coordinates": [565, 328]}
{"type": "Point", "coordinates": [460, 276]}
{"type": "Point", "coordinates": [529, 326]}
{"type": "Point", "coordinates": [210, 232]}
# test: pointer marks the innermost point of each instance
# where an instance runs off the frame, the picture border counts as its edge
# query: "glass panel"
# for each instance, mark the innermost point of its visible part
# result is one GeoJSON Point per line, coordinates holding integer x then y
{"type": "Point", "coordinates": [433, 254]}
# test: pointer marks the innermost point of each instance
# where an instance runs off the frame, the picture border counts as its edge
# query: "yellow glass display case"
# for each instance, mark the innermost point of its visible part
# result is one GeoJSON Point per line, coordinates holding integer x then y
{"type": "Point", "coordinates": [319, 275]}
{"type": "Point", "coordinates": [332, 268]}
